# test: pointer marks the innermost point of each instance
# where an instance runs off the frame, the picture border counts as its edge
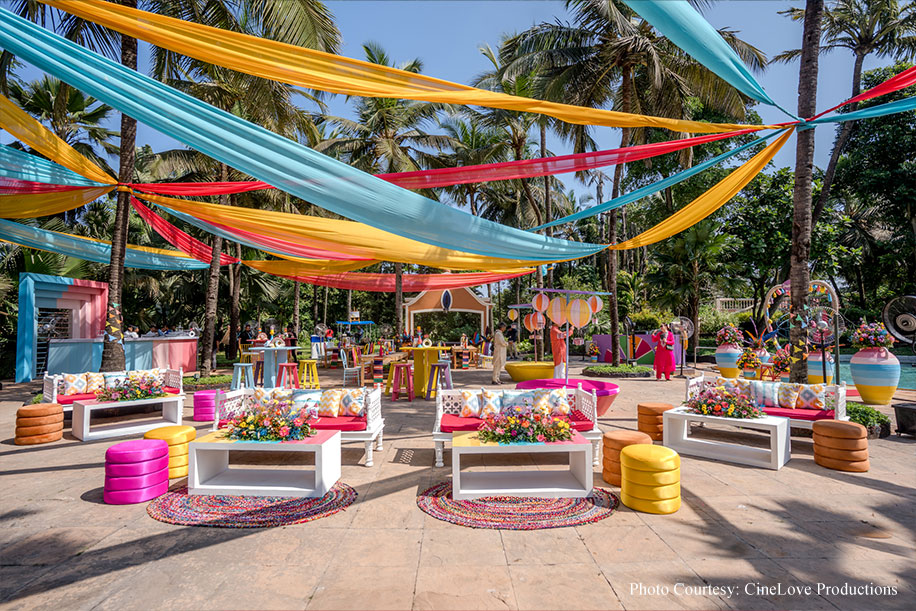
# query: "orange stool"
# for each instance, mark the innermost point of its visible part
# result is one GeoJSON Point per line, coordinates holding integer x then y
{"type": "Point", "coordinates": [39, 423]}
{"type": "Point", "coordinates": [614, 442]}
{"type": "Point", "coordinates": [288, 376]}
{"type": "Point", "coordinates": [649, 418]}
{"type": "Point", "coordinates": [840, 445]}
{"type": "Point", "coordinates": [403, 372]}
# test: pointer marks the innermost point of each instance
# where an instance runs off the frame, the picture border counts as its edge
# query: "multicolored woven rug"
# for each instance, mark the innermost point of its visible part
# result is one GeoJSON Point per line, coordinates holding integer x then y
{"type": "Point", "coordinates": [225, 511]}
{"type": "Point", "coordinates": [516, 513]}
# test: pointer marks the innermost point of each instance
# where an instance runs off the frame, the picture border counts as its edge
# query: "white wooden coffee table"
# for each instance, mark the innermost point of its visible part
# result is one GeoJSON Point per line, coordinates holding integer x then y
{"type": "Point", "coordinates": [209, 471]}
{"type": "Point", "coordinates": [676, 435]}
{"type": "Point", "coordinates": [172, 410]}
{"type": "Point", "coordinates": [576, 482]}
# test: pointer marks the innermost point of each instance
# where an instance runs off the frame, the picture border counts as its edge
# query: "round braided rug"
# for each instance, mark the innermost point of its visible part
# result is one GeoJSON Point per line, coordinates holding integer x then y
{"type": "Point", "coordinates": [514, 512]}
{"type": "Point", "coordinates": [228, 511]}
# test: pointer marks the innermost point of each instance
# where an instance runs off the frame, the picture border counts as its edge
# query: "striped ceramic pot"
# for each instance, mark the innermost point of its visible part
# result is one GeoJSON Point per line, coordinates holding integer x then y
{"type": "Point", "coordinates": [727, 360]}
{"type": "Point", "coordinates": [875, 372]}
{"type": "Point", "coordinates": [763, 355]}
{"type": "Point", "coordinates": [750, 374]}
{"type": "Point", "coordinates": [816, 369]}
{"type": "Point", "coordinates": [785, 377]}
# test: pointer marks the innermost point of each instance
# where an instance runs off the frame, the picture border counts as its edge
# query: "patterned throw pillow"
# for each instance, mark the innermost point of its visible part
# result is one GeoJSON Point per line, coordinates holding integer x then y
{"type": "Point", "coordinates": [491, 402]}
{"type": "Point", "coordinates": [811, 396]}
{"type": "Point", "coordinates": [542, 401]}
{"type": "Point", "coordinates": [767, 394]}
{"type": "Point", "coordinates": [262, 394]}
{"type": "Point", "coordinates": [353, 402]}
{"type": "Point", "coordinates": [306, 400]}
{"type": "Point", "coordinates": [75, 383]}
{"type": "Point", "coordinates": [514, 398]}
{"type": "Point", "coordinates": [470, 404]}
{"type": "Point", "coordinates": [329, 404]}
{"type": "Point", "coordinates": [558, 402]}
{"type": "Point", "coordinates": [114, 379]}
{"type": "Point", "coordinates": [743, 387]}
{"type": "Point", "coordinates": [282, 394]}
{"type": "Point", "coordinates": [788, 395]}
{"type": "Point", "coordinates": [135, 376]}
{"type": "Point", "coordinates": [95, 382]}
{"type": "Point", "coordinates": [726, 383]}
{"type": "Point", "coordinates": [830, 398]}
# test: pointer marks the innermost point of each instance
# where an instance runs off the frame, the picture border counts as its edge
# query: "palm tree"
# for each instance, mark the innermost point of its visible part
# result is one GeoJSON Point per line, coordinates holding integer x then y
{"type": "Point", "coordinates": [884, 28]}
{"type": "Point", "coordinates": [388, 136]}
{"type": "Point", "coordinates": [804, 167]}
{"type": "Point", "coordinates": [474, 144]}
{"type": "Point", "coordinates": [613, 57]}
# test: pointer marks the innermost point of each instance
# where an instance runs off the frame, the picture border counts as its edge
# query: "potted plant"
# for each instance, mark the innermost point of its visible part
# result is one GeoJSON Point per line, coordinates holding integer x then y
{"type": "Point", "coordinates": [877, 424]}
{"type": "Point", "coordinates": [593, 352]}
{"type": "Point", "coordinates": [718, 401]}
{"type": "Point", "coordinates": [750, 363]}
{"type": "Point", "coordinates": [728, 340]}
{"type": "Point", "coordinates": [875, 370]}
{"type": "Point", "coordinates": [781, 364]}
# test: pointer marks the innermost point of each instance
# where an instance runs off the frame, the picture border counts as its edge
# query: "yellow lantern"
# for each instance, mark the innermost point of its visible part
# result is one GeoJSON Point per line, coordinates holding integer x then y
{"type": "Point", "coordinates": [578, 313]}
{"type": "Point", "coordinates": [556, 310]}
{"type": "Point", "coordinates": [513, 314]}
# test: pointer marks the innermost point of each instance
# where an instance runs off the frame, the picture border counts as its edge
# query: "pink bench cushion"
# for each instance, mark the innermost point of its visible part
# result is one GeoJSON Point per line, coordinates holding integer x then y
{"type": "Point", "coordinates": [171, 390]}
{"type": "Point", "coordinates": [340, 423]}
{"type": "Point", "coordinates": [452, 423]}
{"type": "Point", "coordinates": [579, 421]}
{"type": "Point", "coordinates": [69, 399]}
{"type": "Point", "coordinates": [800, 414]}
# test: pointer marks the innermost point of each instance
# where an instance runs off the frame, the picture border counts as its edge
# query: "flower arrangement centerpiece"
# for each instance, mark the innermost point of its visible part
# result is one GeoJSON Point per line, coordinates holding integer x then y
{"type": "Point", "coordinates": [718, 401]}
{"type": "Point", "coordinates": [781, 361]}
{"type": "Point", "coordinates": [592, 350]}
{"type": "Point", "coordinates": [748, 360]}
{"type": "Point", "coordinates": [270, 420]}
{"type": "Point", "coordinates": [145, 387]}
{"type": "Point", "coordinates": [872, 335]}
{"type": "Point", "coordinates": [524, 425]}
{"type": "Point", "coordinates": [729, 334]}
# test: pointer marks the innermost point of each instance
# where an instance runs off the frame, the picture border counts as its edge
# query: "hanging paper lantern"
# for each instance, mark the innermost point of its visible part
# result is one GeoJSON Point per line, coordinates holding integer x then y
{"type": "Point", "coordinates": [513, 314]}
{"type": "Point", "coordinates": [528, 321]}
{"type": "Point", "coordinates": [446, 300]}
{"type": "Point", "coordinates": [556, 310]}
{"type": "Point", "coordinates": [595, 304]}
{"type": "Point", "coordinates": [539, 321]}
{"type": "Point", "coordinates": [540, 302]}
{"type": "Point", "coordinates": [578, 313]}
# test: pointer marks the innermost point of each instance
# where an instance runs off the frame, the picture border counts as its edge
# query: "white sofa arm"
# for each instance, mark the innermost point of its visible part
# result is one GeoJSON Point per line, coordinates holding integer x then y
{"type": "Point", "coordinates": [694, 386]}
{"type": "Point", "coordinates": [373, 406]}
{"type": "Point", "coordinates": [229, 403]}
{"type": "Point", "coordinates": [587, 403]}
{"type": "Point", "coordinates": [174, 378]}
{"type": "Point", "coordinates": [49, 388]}
{"type": "Point", "coordinates": [437, 427]}
{"type": "Point", "coordinates": [840, 413]}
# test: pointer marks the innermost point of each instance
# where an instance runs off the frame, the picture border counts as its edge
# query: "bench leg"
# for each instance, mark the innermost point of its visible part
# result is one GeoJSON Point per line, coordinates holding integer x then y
{"type": "Point", "coordinates": [596, 453]}
{"type": "Point", "coordinates": [440, 450]}
{"type": "Point", "coordinates": [369, 453]}
{"type": "Point", "coordinates": [378, 442]}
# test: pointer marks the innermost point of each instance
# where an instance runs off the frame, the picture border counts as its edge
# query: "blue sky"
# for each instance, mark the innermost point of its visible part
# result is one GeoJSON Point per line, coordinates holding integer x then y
{"type": "Point", "coordinates": [447, 35]}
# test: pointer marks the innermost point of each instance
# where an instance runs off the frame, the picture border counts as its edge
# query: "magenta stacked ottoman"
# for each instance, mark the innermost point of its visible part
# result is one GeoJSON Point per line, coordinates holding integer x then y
{"type": "Point", "coordinates": [205, 405]}
{"type": "Point", "coordinates": [136, 471]}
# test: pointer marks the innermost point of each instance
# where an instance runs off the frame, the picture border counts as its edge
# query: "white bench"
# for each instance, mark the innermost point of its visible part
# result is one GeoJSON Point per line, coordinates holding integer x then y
{"type": "Point", "coordinates": [449, 402]}
{"type": "Point", "coordinates": [229, 403]}
{"type": "Point", "coordinates": [172, 410]}
{"type": "Point", "coordinates": [51, 384]}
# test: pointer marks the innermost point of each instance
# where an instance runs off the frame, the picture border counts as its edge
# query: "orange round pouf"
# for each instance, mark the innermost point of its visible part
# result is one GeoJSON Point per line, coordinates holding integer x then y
{"type": "Point", "coordinates": [39, 423]}
{"type": "Point", "coordinates": [825, 452]}
{"type": "Point", "coordinates": [614, 442]}
{"type": "Point", "coordinates": [610, 477]}
{"type": "Point", "coordinates": [653, 409]}
{"type": "Point", "coordinates": [854, 466]}
{"type": "Point", "coordinates": [622, 438]}
{"type": "Point", "coordinates": [839, 429]}
{"type": "Point", "coordinates": [646, 418]}
{"type": "Point", "coordinates": [841, 445]}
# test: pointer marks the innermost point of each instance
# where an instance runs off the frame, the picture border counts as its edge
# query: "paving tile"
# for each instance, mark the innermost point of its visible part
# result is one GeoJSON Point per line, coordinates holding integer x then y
{"type": "Point", "coordinates": [660, 584]}
{"type": "Point", "coordinates": [376, 548]}
{"type": "Point", "coordinates": [626, 544]}
{"type": "Point", "coordinates": [464, 587]}
{"type": "Point", "coordinates": [53, 545]}
{"type": "Point", "coordinates": [473, 547]}
{"type": "Point", "coordinates": [562, 586]}
{"type": "Point", "coordinates": [540, 547]}
{"type": "Point", "coordinates": [385, 587]}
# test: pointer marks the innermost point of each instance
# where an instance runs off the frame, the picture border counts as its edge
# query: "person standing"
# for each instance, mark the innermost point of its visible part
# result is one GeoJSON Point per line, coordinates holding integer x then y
{"type": "Point", "coordinates": [512, 338]}
{"type": "Point", "coordinates": [245, 335]}
{"type": "Point", "coordinates": [664, 352]}
{"type": "Point", "coordinates": [499, 352]}
{"type": "Point", "coordinates": [558, 347]}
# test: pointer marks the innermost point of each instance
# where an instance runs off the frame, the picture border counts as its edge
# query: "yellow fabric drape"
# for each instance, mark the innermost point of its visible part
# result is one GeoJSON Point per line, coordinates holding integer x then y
{"type": "Point", "coordinates": [28, 130]}
{"type": "Point", "coordinates": [33, 205]}
{"type": "Point", "coordinates": [306, 267]}
{"type": "Point", "coordinates": [333, 73]}
{"type": "Point", "coordinates": [346, 237]}
{"type": "Point", "coordinates": [710, 201]}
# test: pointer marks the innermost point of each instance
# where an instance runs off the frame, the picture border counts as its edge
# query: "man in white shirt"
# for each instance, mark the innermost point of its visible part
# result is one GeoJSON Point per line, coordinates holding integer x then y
{"type": "Point", "coordinates": [499, 352]}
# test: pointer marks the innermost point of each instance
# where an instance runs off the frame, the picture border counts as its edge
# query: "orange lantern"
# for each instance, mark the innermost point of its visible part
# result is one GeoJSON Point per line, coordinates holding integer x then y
{"type": "Point", "coordinates": [528, 321]}
{"type": "Point", "coordinates": [540, 302]}
{"type": "Point", "coordinates": [578, 313]}
{"type": "Point", "coordinates": [539, 321]}
{"type": "Point", "coordinates": [595, 304]}
{"type": "Point", "coordinates": [556, 310]}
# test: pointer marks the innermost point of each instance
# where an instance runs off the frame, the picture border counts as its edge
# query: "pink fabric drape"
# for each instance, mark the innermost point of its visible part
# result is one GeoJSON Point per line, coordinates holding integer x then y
{"type": "Point", "coordinates": [411, 283]}
{"type": "Point", "coordinates": [905, 79]}
{"type": "Point", "coordinates": [178, 238]}
{"type": "Point", "coordinates": [13, 186]}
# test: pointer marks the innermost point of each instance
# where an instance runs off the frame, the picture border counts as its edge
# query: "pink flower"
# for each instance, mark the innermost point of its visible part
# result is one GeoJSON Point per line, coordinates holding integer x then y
{"type": "Point", "coordinates": [297, 422]}
{"type": "Point", "coordinates": [284, 431]}
{"type": "Point", "coordinates": [542, 438]}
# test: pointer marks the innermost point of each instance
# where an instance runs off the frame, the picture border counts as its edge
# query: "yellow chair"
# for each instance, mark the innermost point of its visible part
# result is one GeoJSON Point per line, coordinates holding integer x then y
{"type": "Point", "coordinates": [650, 478]}
{"type": "Point", "coordinates": [308, 374]}
{"type": "Point", "coordinates": [177, 437]}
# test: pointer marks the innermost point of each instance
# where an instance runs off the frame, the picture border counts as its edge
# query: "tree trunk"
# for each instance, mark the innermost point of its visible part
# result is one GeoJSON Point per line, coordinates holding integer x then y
{"type": "Point", "coordinates": [113, 341]}
{"type": "Point", "coordinates": [296, 318]}
{"type": "Point", "coordinates": [213, 289]}
{"type": "Point", "coordinates": [399, 300]}
{"type": "Point", "coordinates": [804, 164]}
{"type": "Point", "coordinates": [314, 306]}
{"type": "Point", "coordinates": [349, 302]}
{"type": "Point", "coordinates": [548, 206]}
{"type": "Point", "coordinates": [845, 130]}
{"type": "Point", "coordinates": [324, 313]}
{"type": "Point", "coordinates": [235, 287]}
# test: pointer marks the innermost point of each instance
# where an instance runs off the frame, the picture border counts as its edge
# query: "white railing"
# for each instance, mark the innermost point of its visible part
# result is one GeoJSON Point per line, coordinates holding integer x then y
{"type": "Point", "coordinates": [731, 305]}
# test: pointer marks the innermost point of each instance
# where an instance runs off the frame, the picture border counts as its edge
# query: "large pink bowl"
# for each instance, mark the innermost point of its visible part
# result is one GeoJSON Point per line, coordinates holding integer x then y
{"type": "Point", "coordinates": [605, 391]}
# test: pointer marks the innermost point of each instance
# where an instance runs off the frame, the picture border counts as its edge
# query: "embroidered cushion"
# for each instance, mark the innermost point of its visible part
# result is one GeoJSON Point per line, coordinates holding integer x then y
{"type": "Point", "coordinates": [353, 402]}
{"type": "Point", "coordinates": [75, 383]}
{"type": "Point", "coordinates": [811, 396]}
{"type": "Point", "coordinates": [491, 402]}
{"type": "Point", "coordinates": [95, 382]}
{"type": "Point", "coordinates": [114, 379]}
{"type": "Point", "coordinates": [788, 395]}
{"type": "Point", "coordinates": [329, 404]}
{"type": "Point", "coordinates": [767, 394]}
{"type": "Point", "coordinates": [470, 404]}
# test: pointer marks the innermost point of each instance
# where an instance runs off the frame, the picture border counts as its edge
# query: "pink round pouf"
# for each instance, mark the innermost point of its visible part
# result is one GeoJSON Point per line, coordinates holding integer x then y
{"type": "Point", "coordinates": [136, 451]}
{"type": "Point", "coordinates": [137, 495]}
{"type": "Point", "coordinates": [204, 405]}
{"type": "Point", "coordinates": [138, 481]}
{"type": "Point", "coordinates": [137, 468]}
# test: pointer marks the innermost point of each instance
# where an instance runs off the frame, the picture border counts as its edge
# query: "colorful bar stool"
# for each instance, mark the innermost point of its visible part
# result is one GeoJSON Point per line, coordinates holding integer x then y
{"type": "Point", "coordinates": [240, 370]}
{"type": "Point", "coordinates": [308, 372]}
{"type": "Point", "coordinates": [378, 370]}
{"type": "Point", "coordinates": [443, 368]}
{"type": "Point", "coordinates": [402, 372]}
{"type": "Point", "coordinates": [288, 376]}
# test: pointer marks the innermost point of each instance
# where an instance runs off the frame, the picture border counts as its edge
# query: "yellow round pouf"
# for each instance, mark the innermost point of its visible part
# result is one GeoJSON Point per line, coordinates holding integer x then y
{"type": "Point", "coordinates": [173, 435]}
{"type": "Point", "coordinates": [654, 478]}
{"type": "Point", "coordinates": [651, 493]}
{"type": "Point", "coordinates": [178, 450]}
{"type": "Point", "coordinates": [650, 479]}
{"type": "Point", "coordinates": [645, 457]}
{"type": "Point", "coordinates": [178, 472]}
{"type": "Point", "coordinates": [660, 507]}
{"type": "Point", "coordinates": [178, 461]}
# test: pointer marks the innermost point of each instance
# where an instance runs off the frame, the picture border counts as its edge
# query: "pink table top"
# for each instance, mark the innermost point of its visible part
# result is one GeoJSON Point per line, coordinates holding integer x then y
{"type": "Point", "coordinates": [219, 437]}
{"type": "Point", "coordinates": [602, 389]}
{"type": "Point", "coordinates": [466, 439]}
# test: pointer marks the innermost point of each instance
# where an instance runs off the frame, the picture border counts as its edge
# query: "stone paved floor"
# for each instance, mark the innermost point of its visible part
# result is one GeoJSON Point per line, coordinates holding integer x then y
{"type": "Point", "coordinates": [769, 534]}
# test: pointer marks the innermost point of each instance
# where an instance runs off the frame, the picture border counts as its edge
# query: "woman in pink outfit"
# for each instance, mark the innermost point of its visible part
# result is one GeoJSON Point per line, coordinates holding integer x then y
{"type": "Point", "coordinates": [664, 352]}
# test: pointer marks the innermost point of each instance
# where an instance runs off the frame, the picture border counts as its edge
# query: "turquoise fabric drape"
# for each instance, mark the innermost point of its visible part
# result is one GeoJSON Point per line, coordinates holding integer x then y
{"type": "Point", "coordinates": [655, 187]}
{"type": "Point", "coordinates": [274, 159]}
{"type": "Point", "coordinates": [871, 112]}
{"type": "Point", "coordinates": [88, 250]}
{"type": "Point", "coordinates": [684, 26]}
{"type": "Point", "coordinates": [20, 165]}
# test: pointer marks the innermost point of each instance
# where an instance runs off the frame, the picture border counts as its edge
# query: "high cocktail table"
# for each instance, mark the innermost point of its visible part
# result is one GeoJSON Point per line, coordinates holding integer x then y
{"type": "Point", "coordinates": [576, 482]}
{"type": "Point", "coordinates": [210, 473]}
{"type": "Point", "coordinates": [676, 436]}
{"type": "Point", "coordinates": [172, 409]}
